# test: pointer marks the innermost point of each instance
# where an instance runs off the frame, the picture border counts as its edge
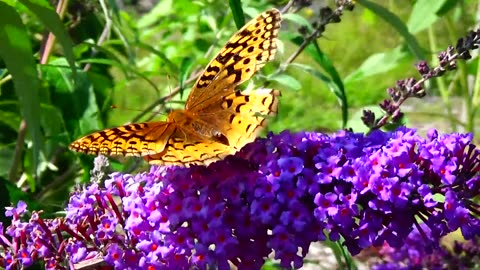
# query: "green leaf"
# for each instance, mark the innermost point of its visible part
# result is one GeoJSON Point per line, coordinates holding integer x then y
{"type": "Point", "coordinates": [424, 14]}
{"type": "Point", "coordinates": [286, 80]}
{"type": "Point", "coordinates": [237, 11]}
{"type": "Point", "coordinates": [324, 61]}
{"type": "Point", "coordinates": [53, 127]}
{"type": "Point", "coordinates": [48, 16]}
{"type": "Point", "coordinates": [16, 51]}
{"type": "Point", "coordinates": [124, 67]}
{"type": "Point", "coordinates": [298, 19]}
{"type": "Point", "coordinates": [378, 63]}
{"type": "Point", "coordinates": [271, 265]}
{"type": "Point", "coordinates": [396, 23]}
{"type": "Point", "coordinates": [171, 66]}
{"type": "Point", "coordinates": [10, 118]}
{"type": "Point", "coordinates": [449, 5]}
{"type": "Point", "coordinates": [162, 9]}
{"type": "Point", "coordinates": [340, 252]}
{"type": "Point", "coordinates": [339, 93]}
{"type": "Point", "coordinates": [77, 102]}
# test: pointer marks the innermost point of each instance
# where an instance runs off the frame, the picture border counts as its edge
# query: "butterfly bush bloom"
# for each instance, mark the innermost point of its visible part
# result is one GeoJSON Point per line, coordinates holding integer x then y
{"type": "Point", "coordinates": [414, 254]}
{"type": "Point", "coordinates": [274, 198]}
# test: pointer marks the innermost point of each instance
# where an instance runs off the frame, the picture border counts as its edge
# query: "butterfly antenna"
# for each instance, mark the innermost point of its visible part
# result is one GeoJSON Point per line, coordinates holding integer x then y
{"type": "Point", "coordinates": [170, 91]}
{"type": "Point", "coordinates": [115, 106]}
{"type": "Point", "coordinates": [165, 107]}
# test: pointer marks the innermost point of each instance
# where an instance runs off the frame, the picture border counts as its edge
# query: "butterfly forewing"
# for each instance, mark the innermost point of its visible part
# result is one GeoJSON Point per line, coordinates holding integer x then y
{"type": "Point", "coordinates": [247, 51]}
{"type": "Point", "coordinates": [130, 140]}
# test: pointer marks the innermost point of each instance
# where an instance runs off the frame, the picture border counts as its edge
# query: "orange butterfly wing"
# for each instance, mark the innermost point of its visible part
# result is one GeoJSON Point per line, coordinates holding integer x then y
{"type": "Point", "coordinates": [130, 140]}
{"type": "Point", "coordinates": [245, 53]}
{"type": "Point", "coordinates": [240, 119]}
{"type": "Point", "coordinates": [216, 103]}
{"type": "Point", "coordinates": [217, 121]}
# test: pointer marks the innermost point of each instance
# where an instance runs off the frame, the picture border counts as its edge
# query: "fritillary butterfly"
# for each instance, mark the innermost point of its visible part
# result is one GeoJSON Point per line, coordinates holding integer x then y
{"type": "Point", "coordinates": [218, 119]}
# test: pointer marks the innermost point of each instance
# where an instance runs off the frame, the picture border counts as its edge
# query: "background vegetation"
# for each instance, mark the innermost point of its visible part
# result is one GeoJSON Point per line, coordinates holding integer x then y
{"type": "Point", "coordinates": [144, 56]}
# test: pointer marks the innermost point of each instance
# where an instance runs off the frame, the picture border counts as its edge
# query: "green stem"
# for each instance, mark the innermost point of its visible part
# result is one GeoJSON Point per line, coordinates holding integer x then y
{"type": "Point", "coordinates": [5, 79]}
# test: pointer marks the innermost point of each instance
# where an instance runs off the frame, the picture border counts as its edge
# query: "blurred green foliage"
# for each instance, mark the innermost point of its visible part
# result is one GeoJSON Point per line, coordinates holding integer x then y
{"type": "Point", "coordinates": [62, 68]}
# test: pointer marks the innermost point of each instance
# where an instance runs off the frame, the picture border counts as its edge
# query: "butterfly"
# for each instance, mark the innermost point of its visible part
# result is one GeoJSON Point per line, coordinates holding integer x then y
{"type": "Point", "coordinates": [218, 119]}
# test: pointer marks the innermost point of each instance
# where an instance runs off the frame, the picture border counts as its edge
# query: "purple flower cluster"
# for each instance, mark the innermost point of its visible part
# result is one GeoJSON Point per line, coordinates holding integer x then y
{"type": "Point", "coordinates": [414, 254]}
{"type": "Point", "coordinates": [278, 195]}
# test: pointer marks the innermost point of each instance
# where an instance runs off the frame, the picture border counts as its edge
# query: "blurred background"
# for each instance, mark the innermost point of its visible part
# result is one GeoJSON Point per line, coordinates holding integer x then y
{"type": "Point", "coordinates": [143, 56]}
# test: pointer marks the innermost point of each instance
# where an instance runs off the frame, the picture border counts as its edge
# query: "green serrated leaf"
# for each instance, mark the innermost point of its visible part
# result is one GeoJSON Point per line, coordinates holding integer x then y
{"type": "Point", "coordinates": [16, 51]}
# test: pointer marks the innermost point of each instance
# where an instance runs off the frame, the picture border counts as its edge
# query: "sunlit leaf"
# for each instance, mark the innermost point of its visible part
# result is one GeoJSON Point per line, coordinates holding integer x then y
{"type": "Point", "coordinates": [162, 9]}
{"type": "Point", "coordinates": [377, 64]}
{"type": "Point", "coordinates": [397, 24]}
{"type": "Point", "coordinates": [287, 81]}
{"type": "Point", "coordinates": [424, 14]}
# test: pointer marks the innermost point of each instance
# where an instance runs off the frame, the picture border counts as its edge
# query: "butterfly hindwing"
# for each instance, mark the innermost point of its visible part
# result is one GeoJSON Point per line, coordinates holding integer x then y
{"type": "Point", "coordinates": [243, 115]}
{"type": "Point", "coordinates": [181, 153]}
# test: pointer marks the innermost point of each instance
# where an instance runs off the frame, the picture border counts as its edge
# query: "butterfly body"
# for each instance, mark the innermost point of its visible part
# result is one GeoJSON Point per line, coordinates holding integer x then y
{"type": "Point", "coordinates": [218, 119]}
{"type": "Point", "coordinates": [192, 127]}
